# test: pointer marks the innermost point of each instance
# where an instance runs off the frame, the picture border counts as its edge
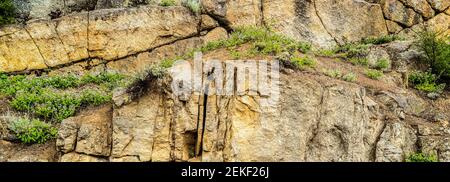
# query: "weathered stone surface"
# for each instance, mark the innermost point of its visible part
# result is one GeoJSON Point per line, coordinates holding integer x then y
{"type": "Point", "coordinates": [420, 6]}
{"type": "Point", "coordinates": [439, 5]}
{"type": "Point", "coordinates": [48, 42]}
{"type": "Point", "coordinates": [393, 27]}
{"type": "Point", "coordinates": [88, 133]}
{"type": "Point", "coordinates": [396, 142]}
{"type": "Point", "coordinates": [208, 23]}
{"type": "Point", "coordinates": [137, 65]}
{"type": "Point", "coordinates": [396, 11]}
{"type": "Point", "coordinates": [94, 134]}
{"type": "Point", "coordinates": [67, 135]}
{"type": "Point", "coordinates": [297, 19]}
{"type": "Point", "coordinates": [218, 33]}
{"type": "Point", "coordinates": [72, 30]}
{"type": "Point", "coordinates": [38, 8]}
{"type": "Point", "coordinates": [440, 22]}
{"type": "Point", "coordinates": [75, 157]}
{"type": "Point", "coordinates": [15, 152]}
{"type": "Point", "coordinates": [118, 33]}
{"type": "Point", "coordinates": [18, 51]}
{"type": "Point", "coordinates": [235, 13]}
{"type": "Point", "coordinates": [351, 20]}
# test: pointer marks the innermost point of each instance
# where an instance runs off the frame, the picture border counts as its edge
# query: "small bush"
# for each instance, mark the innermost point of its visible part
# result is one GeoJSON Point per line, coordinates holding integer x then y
{"type": "Point", "coordinates": [436, 48]}
{"type": "Point", "coordinates": [349, 77]}
{"type": "Point", "coordinates": [32, 131]}
{"type": "Point", "coordinates": [166, 3]}
{"type": "Point", "coordinates": [302, 62]}
{"type": "Point", "coordinates": [352, 50]}
{"type": "Point", "coordinates": [235, 54]}
{"type": "Point", "coordinates": [425, 81]}
{"type": "Point", "coordinates": [382, 64]}
{"type": "Point", "coordinates": [381, 40]}
{"type": "Point", "coordinates": [374, 74]}
{"type": "Point", "coordinates": [7, 12]}
{"type": "Point", "coordinates": [326, 52]}
{"type": "Point", "coordinates": [264, 42]}
{"type": "Point", "coordinates": [420, 157]}
{"type": "Point", "coordinates": [333, 73]}
{"type": "Point", "coordinates": [193, 5]}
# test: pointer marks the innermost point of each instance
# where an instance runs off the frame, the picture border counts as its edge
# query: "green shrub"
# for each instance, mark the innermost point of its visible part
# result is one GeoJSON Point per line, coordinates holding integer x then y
{"type": "Point", "coordinates": [46, 97]}
{"type": "Point", "coordinates": [7, 12]}
{"type": "Point", "coordinates": [264, 42]}
{"type": "Point", "coordinates": [166, 3]}
{"type": "Point", "coordinates": [437, 51]}
{"type": "Point", "coordinates": [352, 50]}
{"type": "Point", "coordinates": [382, 64]}
{"type": "Point", "coordinates": [333, 73]}
{"type": "Point", "coordinates": [193, 5]}
{"type": "Point", "coordinates": [420, 157]}
{"type": "Point", "coordinates": [32, 131]}
{"type": "Point", "coordinates": [349, 77]}
{"type": "Point", "coordinates": [302, 62]}
{"type": "Point", "coordinates": [374, 74]}
{"type": "Point", "coordinates": [359, 61]}
{"type": "Point", "coordinates": [235, 54]}
{"type": "Point", "coordinates": [425, 81]}
{"type": "Point", "coordinates": [381, 40]}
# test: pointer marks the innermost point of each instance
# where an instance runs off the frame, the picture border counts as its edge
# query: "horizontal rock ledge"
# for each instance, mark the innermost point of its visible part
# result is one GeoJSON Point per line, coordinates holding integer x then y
{"type": "Point", "coordinates": [106, 34]}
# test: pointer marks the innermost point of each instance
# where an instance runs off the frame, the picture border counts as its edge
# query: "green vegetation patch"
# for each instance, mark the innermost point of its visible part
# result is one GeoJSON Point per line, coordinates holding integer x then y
{"type": "Point", "coordinates": [349, 77]}
{"type": "Point", "coordinates": [303, 62]}
{"type": "Point", "coordinates": [382, 64]}
{"type": "Point", "coordinates": [32, 131]}
{"type": "Point", "coordinates": [7, 12]}
{"type": "Point", "coordinates": [374, 74]}
{"type": "Point", "coordinates": [166, 3]}
{"type": "Point", "coordinates": [193, 5]}
{"type": "Point", "coordinates": [359, 61]}
{"type": "Point", "coordinates": [421, 157]}
{"type": "Point", "coordinates": [58, 97]}
{"type": "Point", "coordinates": [436, 48]}
{"type": "Point", "coordinates": [425, 81]}
{"type": "Point", "coordinates": [263, 41]}
{"type": "Point", "coordinates": [381, 40]}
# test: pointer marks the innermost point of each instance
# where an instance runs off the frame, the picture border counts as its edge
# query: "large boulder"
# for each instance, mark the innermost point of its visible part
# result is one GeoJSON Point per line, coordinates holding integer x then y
{"type": "Point", "coordinates": [396, 11]}
{"type": "Point", "coordinates": [439, 5]}
{"type": "Point", "coordinates": [297, 19]}
{"type": "Point", "coordinates": [88, 133]}
{"type": "Point", "coordinates": [234, 13]}
{"type": "Point", "coordinates": [397, 141]}
{"type": "Point", "coordinates": [325, 22]}
{"type": "Point", "coordinates": [420, 6]}
{"type": "Point", "coordinates": [103, 34]}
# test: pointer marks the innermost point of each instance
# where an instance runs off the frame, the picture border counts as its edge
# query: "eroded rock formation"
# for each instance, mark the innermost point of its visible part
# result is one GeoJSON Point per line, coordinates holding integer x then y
{"type": "Point", "coordinates": [317, 119]}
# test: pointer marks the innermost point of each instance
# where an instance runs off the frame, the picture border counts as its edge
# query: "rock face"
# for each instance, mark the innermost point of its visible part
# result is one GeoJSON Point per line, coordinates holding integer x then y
{"type": "Point", "coordinates": [396, 142]}
{"type": "Point", "coordinates": [50, 9]}
{"type": "Point", "coordinates": [88, 133]}
{"type": "Point", "coordinates": [103, 34]}
{"type": "Point", "coordinates": [316, 119]}
{"type": "Point", "coordinates": [351, 20]}
{"type": "Point", "coordinates": [106, 35]}
{"type": "Point", "coordinates": [13, 152]}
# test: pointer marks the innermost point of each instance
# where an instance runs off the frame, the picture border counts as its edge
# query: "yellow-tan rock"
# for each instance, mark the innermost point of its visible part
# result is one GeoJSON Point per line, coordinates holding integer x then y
{"type": "Point", "coordinates": [18, 51]}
